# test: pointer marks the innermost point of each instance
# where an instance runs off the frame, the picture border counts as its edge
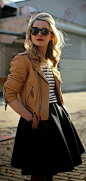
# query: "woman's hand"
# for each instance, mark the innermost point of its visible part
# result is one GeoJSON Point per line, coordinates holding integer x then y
{"type": "Point", "coordinates": [19, 108]}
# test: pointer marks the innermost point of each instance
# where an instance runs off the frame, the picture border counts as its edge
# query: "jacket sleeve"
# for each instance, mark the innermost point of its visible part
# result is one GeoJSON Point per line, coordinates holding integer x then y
{"type": "Point", "coordinates": [58, 91]}
{"type": "Point", "coordinates": [16, 79]}
{"type": "Point", "coordinates": [60, 97]}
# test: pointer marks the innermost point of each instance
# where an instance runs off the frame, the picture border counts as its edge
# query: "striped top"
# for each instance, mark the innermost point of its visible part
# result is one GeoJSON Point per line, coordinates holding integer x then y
{"type": "Point", "coordinates": [50, 78]}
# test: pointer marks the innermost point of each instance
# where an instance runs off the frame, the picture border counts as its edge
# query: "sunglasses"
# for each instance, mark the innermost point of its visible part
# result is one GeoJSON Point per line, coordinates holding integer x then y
{"type": "Point", "coordinates": [44, 31]}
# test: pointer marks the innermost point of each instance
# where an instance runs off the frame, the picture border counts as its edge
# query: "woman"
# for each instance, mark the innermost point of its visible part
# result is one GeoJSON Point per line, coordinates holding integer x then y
{"type": "Point", "coordinates": [46, 141]}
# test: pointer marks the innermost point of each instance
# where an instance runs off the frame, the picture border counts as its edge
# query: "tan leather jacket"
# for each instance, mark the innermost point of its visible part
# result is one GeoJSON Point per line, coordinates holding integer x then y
{"type": "Point", "coordinates": [27, 83]}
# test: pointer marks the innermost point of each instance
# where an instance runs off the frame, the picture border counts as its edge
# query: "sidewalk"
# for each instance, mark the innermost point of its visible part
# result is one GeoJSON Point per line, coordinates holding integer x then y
{"type": "Point", "coordinates": [76, 106]}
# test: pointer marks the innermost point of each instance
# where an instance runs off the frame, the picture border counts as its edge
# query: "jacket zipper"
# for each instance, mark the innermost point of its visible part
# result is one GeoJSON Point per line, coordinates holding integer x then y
{"type": "Point", "coordinates": [39, 96]}
{"type": "Point", "coordinates": [27, 102]}
{"type": "Point", "coordinates": [30, 93]}
{"type": "Point", "coordinates": [5, 100]}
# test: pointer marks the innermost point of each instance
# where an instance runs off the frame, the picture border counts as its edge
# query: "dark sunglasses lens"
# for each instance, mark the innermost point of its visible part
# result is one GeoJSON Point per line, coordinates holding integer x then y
{"type": "Point", "coordinates": [45, 31]}
{"type": "Point", "coordinates": [34, 31]}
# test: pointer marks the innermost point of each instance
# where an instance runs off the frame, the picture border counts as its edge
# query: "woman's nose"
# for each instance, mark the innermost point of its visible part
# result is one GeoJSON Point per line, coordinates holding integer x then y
{"type": "Point", "coordinates": [39, 33]}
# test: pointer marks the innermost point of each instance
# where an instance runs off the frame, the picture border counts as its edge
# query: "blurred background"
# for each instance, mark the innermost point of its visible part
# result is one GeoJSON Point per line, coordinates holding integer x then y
{"type": "Point", "coordinates": [70, 17]}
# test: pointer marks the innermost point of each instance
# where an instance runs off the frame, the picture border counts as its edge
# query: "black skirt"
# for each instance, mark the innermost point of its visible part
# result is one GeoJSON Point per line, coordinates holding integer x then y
{"type": "Point", "coordinates": [52, 148]}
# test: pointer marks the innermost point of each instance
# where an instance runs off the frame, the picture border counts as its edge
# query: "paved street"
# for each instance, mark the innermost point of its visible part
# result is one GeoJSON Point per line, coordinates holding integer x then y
{"type": "Point", "coordinates": [76, 106]}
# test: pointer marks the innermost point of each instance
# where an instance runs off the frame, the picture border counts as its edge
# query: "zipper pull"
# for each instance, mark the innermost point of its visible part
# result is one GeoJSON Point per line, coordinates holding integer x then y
{"type": "Point", "coordinates": [6, 102]}
{"type": "Point", "coordinates": [31, 92]}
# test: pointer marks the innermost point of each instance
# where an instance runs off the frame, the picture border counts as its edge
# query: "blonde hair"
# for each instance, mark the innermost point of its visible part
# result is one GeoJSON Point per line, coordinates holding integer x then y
{"type": "Point", "coordinates": [54, 47]}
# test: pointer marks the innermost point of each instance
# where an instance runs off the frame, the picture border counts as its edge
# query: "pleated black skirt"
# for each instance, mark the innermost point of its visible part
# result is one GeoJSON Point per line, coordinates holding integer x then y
{"type": "Point", "coordinates": [52, 148]}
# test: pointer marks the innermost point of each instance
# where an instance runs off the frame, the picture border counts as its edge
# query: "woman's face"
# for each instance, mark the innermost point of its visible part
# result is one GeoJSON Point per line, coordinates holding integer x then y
{"type": "Point", "coordinates": [39, 39]}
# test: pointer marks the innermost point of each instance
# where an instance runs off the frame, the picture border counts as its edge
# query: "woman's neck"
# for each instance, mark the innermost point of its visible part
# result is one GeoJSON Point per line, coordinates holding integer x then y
{"type": "Point", "coordinates": [42, 50]}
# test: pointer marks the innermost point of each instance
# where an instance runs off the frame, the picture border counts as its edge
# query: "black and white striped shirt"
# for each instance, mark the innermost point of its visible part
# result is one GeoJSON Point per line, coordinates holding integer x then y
{"type": "Point", "coordinates": [50, 78]}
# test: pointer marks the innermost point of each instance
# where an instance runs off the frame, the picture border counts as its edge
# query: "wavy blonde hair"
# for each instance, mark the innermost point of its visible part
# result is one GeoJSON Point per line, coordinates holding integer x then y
{"type": "Point", "coordinates": [54, 47]}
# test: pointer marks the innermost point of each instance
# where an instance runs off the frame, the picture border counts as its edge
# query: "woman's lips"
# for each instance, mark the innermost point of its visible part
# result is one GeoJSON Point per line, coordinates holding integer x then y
{"type": "Point", "coordinates": [39, 39]}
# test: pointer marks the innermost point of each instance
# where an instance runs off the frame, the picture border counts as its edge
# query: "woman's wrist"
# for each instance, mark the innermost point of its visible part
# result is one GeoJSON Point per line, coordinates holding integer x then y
{"type": "Point", "coordinates": [30, 116]}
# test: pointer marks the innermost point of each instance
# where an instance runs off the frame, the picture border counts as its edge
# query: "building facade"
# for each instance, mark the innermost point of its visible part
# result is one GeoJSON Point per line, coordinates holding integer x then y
{"type": "Point", "coordinates": [70, 16]}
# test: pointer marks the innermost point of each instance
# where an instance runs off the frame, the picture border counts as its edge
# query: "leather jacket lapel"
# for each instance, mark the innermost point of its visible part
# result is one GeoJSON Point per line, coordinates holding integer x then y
{"type": "Point", "coordinates": [37, 67]}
